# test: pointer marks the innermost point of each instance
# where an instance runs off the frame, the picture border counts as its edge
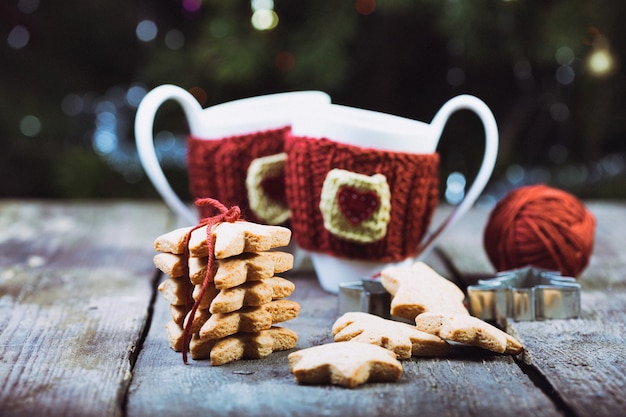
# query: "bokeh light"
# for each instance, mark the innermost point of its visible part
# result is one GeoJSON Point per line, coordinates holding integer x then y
{"type": "Point", "coordinates": [455, 76]}
{"type": "Point", "coordinates": [263, 15]}
{"type": "Point", "coordinates": [613, 164]}
{"type": "Point", "coordinates": [264, 19]}
{"type": "Point", "coordinates": [164, 142]}
{"type": "Point", "coordinates": [564, 55]}
{"type": "Point", "coordinates": [515, 174]}
{"type": "Point", "coordinates": [72, 104]}
{"type": "Point", "coordinates": [18, 37]}
{"type": "Point", "coordinates": [559, 111]}
{"type": "Point", "coordinates": [146, 30]}
{"type": "Point", "coordinates": [565, 74]}
{"type": "Point", "coordinates": [30, 125]}
{"type": "Point", "coordinates": [262, 5]}
{"type": "Point", "coordinates": [285, 61]}
{"type": "Point", "coordinates": [105, 139]}
{"type": "Point", "coordinates": [199, 94]}
{"type": "Point", "coordinates": [365, 7]}
{"type": "Point", "coordinates": [174, 39]}
{"type": "Point", "coordinates": [455, 188]}
{"type": "Point", "coordinates": [28, 6]}
{"type": "Point", "coordinates": [600, 62]}
{"type": "Point", "coordinates": [134, 95]}
{"type": "Point", "coordinates": [191, 5]}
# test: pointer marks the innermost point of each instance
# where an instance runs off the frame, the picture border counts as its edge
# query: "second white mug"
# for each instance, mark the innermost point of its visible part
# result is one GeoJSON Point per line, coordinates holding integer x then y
{"type": "Point", "coordinates": [362, 186]}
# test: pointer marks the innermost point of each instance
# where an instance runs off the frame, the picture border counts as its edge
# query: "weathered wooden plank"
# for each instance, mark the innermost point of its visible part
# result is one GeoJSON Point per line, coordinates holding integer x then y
{"type": "Point", "coordinates": [75, 290]}
{"type": "Point", "coordinates": [581, 361]}
{"type": "Point", "coordinates": [468, 382]}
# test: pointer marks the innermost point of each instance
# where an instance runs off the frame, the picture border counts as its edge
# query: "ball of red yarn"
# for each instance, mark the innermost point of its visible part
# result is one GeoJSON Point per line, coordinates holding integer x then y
{"type": "Point", "coordinates": [540, 226]}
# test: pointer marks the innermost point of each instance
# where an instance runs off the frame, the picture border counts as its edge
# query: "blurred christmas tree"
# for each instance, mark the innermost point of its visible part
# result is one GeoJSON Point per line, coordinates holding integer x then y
{"type": "Point", "coordinates": [71, 75]}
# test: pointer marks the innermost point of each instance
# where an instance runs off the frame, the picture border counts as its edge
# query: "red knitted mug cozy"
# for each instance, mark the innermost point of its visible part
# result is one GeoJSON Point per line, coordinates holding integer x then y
{"type": "Point", "coordinates": [359, 203]}
{"type": "Point", "coordinates": [218, 169]}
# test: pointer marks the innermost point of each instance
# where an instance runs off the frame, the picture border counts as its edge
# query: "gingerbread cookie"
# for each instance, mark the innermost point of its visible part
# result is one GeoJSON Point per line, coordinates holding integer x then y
{"type": "Point", "coordinates": [401, 338]}
{"type": "Point", "coordinates": [248, 294]}
{"type": "Point", "coordinates": [243, 345]}
{"type": "Point", "coordinates": [175, 291]}
{"type": "Point", "coordinates": [249, 267]}
{"type": "Point", "coordinates": [178, 313]}
{"type": "Point", "coordinates": [468, 330]}
{"type": "Point", "coordinates": [419, 288]}
{"type": "Point", "coordinates": [253, 293]}
{"type": "Point", "coordinates": [281, 287]}
{"type": "Point", "coordinates": [347, 364]}
{"type": "Point", "coordinates": [174, 334]}
{"type": "Point", "coordinates": [199, 318]}
{"type": "Point", "coordinates": [249, 319]}
{"type": "Point", "coordinates": [230, 239]}
{"type": "Point", "coordinates": [170, 264]}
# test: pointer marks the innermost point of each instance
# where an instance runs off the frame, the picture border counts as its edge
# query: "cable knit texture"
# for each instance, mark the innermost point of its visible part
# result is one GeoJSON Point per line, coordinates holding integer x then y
{"type": "Point", "coordinates": [218, 168]}
{"type": "Point", "coordinates": [413, 182]}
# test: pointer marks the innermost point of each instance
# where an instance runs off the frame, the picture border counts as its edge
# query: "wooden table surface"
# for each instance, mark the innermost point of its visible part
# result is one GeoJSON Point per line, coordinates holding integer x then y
{"type": "Point", "coordinates": [81, 331]}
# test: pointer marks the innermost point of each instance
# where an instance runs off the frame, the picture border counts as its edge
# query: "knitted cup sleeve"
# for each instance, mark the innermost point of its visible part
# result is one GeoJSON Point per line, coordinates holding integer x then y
{"type": "Point", "coordinates": [359, 203]}
{"type": "Point", "coordinates": [219, 169]}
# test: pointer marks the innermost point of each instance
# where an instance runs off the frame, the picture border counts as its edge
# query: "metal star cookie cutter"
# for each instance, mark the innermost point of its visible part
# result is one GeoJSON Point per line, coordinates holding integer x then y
{"type": "Point", "coordinates": [367, 295]}
{"type": "Point", "coordinates": [525, 294]}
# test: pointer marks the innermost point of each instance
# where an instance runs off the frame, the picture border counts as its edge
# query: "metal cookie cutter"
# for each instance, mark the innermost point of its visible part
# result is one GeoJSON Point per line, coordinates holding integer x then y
{"type": "Point", "coordinates": [367, 295]}
{"type": "Point", "coordinates": [525, 294]}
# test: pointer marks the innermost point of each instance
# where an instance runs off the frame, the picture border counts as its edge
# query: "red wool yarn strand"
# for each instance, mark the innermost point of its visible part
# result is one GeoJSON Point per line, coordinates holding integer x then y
{"type": "Point", "coordinates": [540, 226]}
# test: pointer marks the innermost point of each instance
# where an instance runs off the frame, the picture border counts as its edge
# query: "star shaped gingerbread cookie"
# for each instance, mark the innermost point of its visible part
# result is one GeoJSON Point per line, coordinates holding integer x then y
{"type": "Point", "coordinates": [347, 364]}
{"type": "Point", "coordinates": [401, 338]}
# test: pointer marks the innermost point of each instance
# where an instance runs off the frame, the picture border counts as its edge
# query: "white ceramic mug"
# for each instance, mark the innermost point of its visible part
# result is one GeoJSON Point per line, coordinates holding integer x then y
{"type": "Point", "coordinates": [231, 119]}
{"type": "Point", "coordinates": [360, 130]}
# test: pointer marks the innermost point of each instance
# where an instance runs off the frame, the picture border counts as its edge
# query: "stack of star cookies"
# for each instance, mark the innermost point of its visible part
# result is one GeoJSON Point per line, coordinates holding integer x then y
{"type": "Point", "coordinates": [238, 310]}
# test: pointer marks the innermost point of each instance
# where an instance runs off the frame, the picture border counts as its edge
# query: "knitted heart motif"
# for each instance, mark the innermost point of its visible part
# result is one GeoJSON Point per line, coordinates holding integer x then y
{"type": "Point", "coordinates": [274, 187]}
{"type": "Point", "coordinates": [265, 183]}
{"type": "Point", "coordinates": [357, 206]}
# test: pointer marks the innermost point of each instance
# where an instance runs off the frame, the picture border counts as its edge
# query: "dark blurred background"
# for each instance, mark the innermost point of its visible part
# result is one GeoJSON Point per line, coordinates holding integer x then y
{"type": "Point", "coordinates": [73, 72]}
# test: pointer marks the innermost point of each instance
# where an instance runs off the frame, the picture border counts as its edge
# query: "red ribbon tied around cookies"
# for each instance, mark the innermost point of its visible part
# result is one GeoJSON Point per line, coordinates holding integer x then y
{"type": "Point", "coordinates": [225, 214]}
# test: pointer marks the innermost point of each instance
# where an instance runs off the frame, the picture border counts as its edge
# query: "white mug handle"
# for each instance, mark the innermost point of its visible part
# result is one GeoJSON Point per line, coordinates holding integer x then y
{"type": "Point", "coordinates": [144, 123]}
{"type": "Point", "coordinates": [489, 158]}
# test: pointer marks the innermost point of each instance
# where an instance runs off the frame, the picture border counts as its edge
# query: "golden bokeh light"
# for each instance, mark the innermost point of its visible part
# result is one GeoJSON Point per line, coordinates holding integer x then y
{"type": "Point", "coordinates": [601, 62]}
{"type": "Point", "coordinates": [264, 19]}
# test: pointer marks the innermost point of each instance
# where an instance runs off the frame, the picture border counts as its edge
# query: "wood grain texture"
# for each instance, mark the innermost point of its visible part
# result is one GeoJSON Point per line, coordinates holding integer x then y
{"type": "Point", "coordinates": [583, 360]}
{"type": "Point", "coordinates": [75, 291]}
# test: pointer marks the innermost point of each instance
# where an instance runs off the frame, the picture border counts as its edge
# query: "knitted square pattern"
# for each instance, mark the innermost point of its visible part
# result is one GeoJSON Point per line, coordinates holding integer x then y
{"type": "Point", "coordinates": [355, 206]}
{"type": "Point", "coordinates": [218, 168]}
{"type": "Point", "coordinates": [413, 181]}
